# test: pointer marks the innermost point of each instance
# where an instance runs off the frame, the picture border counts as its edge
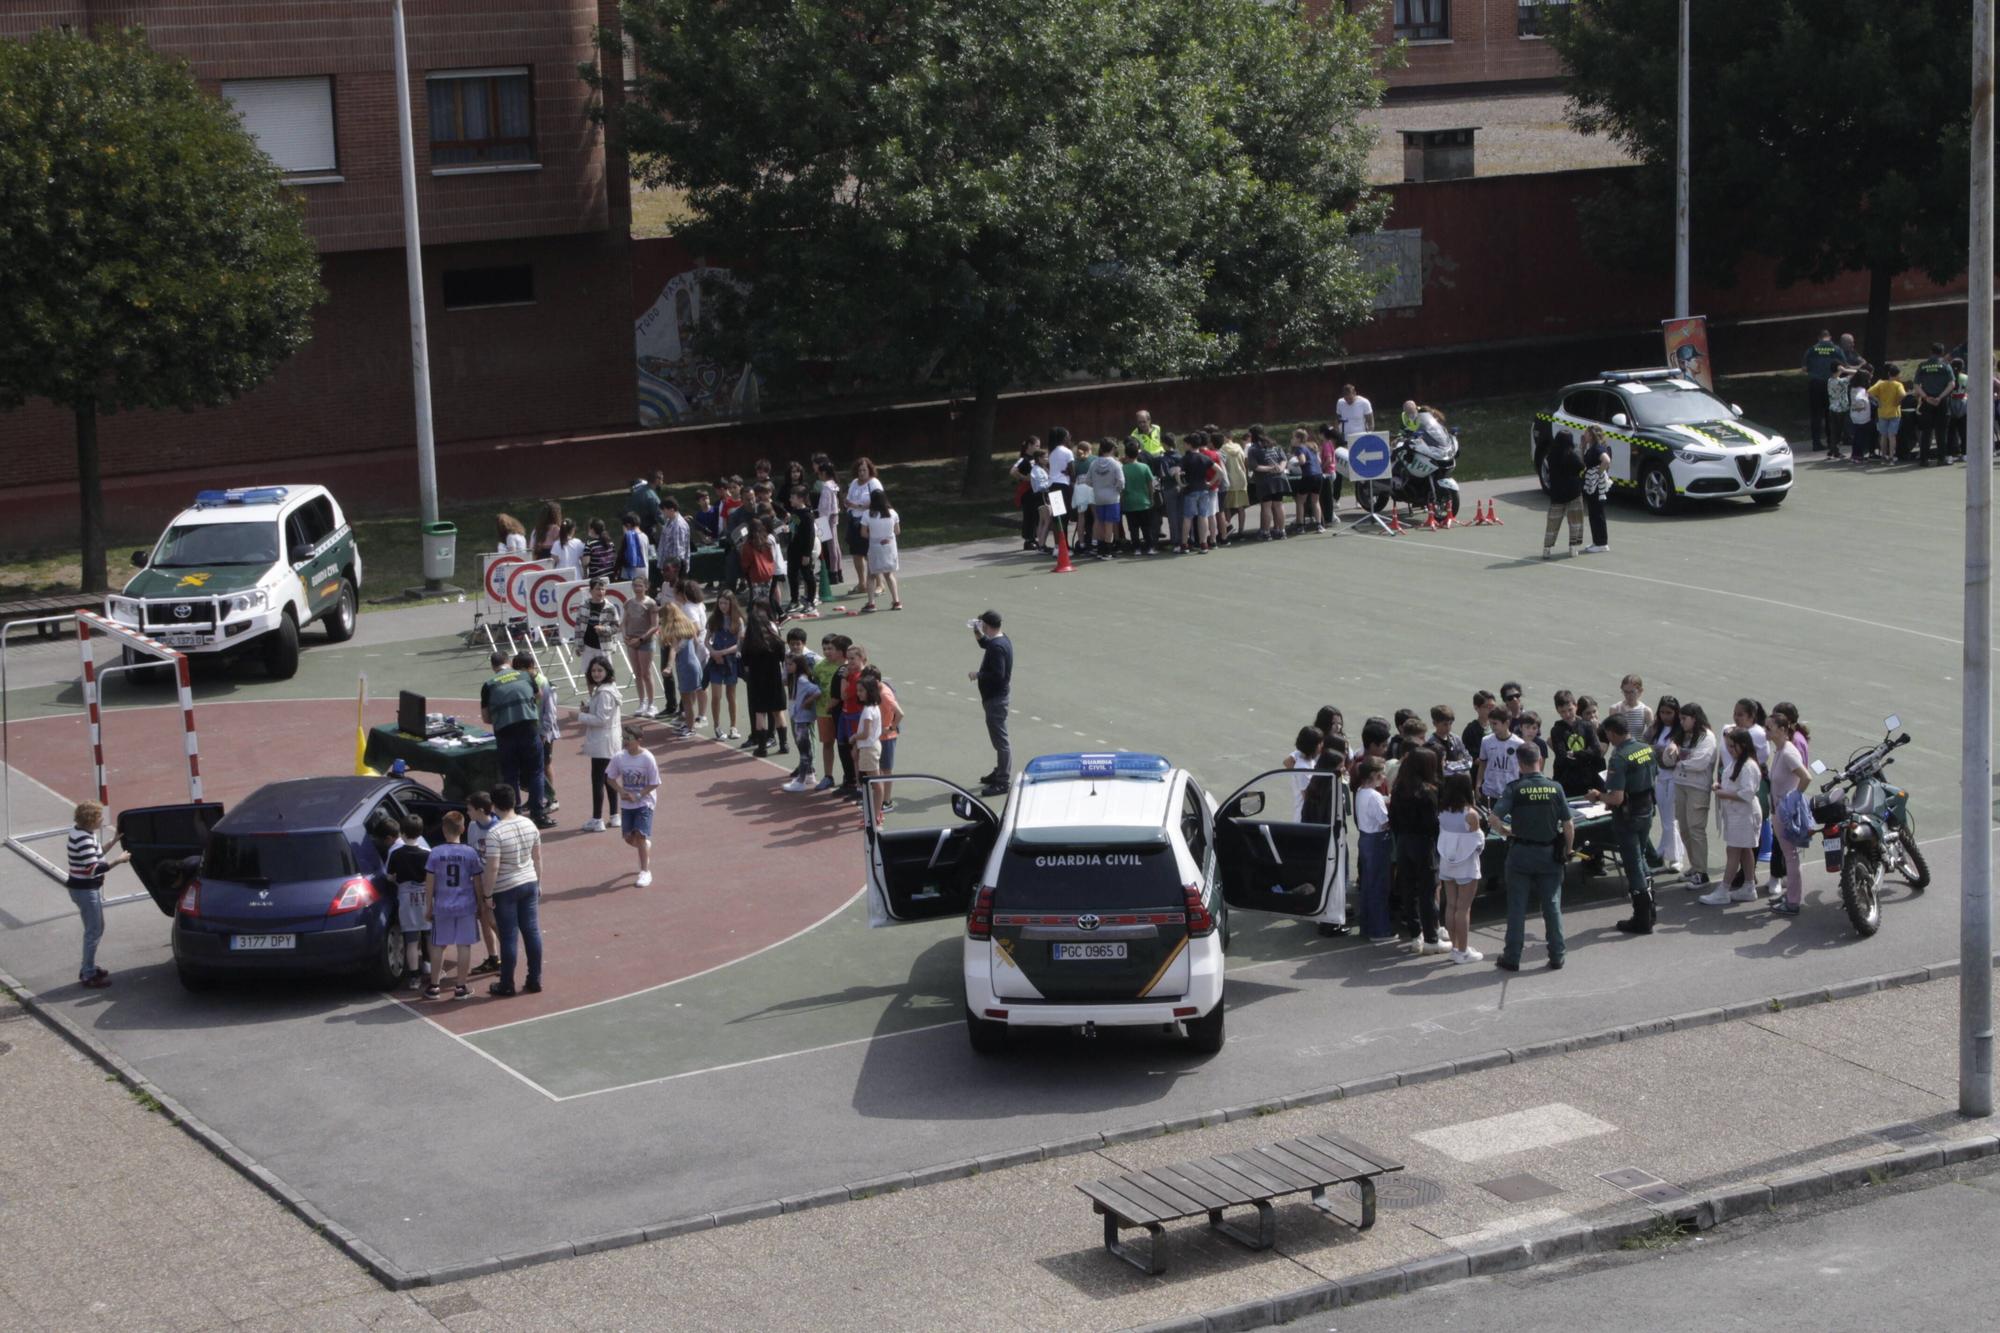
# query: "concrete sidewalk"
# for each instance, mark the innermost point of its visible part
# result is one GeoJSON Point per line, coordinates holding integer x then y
{"type": "Point", "coordinates": [109, 1215]}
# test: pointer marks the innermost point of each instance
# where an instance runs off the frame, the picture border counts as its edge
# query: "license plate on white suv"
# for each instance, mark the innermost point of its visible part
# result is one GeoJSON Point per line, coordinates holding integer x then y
{"type": "Point", "coordinates": [1068, 952]}
{"type": "Point", "coordinates": [181, 640]}
{"type": "Point", "coordinates": [242, 942]}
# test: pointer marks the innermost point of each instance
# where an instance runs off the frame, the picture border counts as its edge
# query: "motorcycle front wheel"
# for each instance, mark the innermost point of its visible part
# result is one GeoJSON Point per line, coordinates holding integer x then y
{"type": "Point", "coordinates": [1916, 870]}
{"type": "Point", "coordinates": [1860, 892]}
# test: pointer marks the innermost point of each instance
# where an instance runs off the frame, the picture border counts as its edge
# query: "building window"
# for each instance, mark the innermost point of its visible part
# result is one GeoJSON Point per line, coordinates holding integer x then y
{"type": "Point", "coordinates": [481, 117]}
{"type": "Point", "coordinates": [291, 119]}
{"type": "Point", "coordinates": [1423, 20]}
{"type": "Point", "coordinates": [473, 288]}
{"type": "Point", "coordinates": [1531, 19]}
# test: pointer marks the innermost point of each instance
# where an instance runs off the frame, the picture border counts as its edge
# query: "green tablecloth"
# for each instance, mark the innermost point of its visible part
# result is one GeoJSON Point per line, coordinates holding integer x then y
{"type": "Point", "coordinates": [1595, 837]}
{"type": "Point", "coordinates": [464, 768]}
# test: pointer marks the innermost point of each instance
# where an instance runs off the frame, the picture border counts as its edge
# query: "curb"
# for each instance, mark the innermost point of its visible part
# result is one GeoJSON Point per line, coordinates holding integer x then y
{"type": "Point", "coordinates": [396, 1278]}
{"type": "Point", "coordinates": [1695, 1214]}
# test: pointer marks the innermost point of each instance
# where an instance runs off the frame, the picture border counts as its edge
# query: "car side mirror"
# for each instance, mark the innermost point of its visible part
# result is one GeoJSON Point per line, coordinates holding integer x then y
{"type": "Point", "coordinates": [1737, 408]}
{"type": "Point", "coordinates": [1891, 722]}
{"type": "Point", "coordinates": [1249, 805]}
{"type": "Point", "coordinates": [138, 559]}
{"type": "Point", "coordinates": [962, 806]}
{"type": "Point", "coordinates": [1818, 767]}
{"type": "Point", "coordinates": [1620, 420]}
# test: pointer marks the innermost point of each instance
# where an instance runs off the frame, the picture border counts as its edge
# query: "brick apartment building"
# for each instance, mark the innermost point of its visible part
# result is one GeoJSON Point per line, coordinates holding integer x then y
{"type": "Point", "coordinates": [1467, 45]}
{"type": "Point", "coordinates": [526, 229]}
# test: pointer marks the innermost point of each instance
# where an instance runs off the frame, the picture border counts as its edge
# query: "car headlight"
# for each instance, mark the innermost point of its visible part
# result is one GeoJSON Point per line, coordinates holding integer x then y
{"type": "Point", "coordinates": [248, 601]}
{"type": "Point", "coordinates": [124, 612]}
{"type": "Point", "coordinates": [1779, 449]}
{"type": "Point", "coordinates": [1697, 456]}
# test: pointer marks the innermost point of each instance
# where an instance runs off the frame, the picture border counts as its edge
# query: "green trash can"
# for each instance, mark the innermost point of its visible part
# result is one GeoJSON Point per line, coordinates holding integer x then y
{"type": "Point", "coordinates": [440, 549]}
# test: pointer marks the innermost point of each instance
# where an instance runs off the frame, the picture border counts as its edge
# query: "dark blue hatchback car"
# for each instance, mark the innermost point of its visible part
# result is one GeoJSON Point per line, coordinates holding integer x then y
{"type": "Point", "coordinates": [287, 882]}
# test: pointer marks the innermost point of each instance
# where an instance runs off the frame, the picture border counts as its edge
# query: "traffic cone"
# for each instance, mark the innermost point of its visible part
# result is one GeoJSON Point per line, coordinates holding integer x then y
{"type": "Point", "coordinates": [1430, 518]}
{"type": "Point", "coordinates": [1395, 521]}
{"type": "Point", "coordinates": [1492, 518]}
{"type": "Point", "coordinates": [1063, 566]}
{"type": "Point", "coordinates": [1478, 514]}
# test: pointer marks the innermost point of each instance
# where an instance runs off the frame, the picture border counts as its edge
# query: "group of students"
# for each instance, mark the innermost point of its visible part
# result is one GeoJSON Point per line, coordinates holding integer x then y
{"type": "Point", "coordinates": [1424, 797]}
{"type": "Point", "coordinates": [1151, 492]}
{"type": "Point", "coordinates": [1864, 413]}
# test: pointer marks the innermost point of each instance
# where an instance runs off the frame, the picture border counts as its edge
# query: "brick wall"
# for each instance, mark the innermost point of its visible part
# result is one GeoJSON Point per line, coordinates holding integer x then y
{"type": "Point", "coordinates": [1485, 47]}
{"type": "Point", "coordinates": [350, 40]}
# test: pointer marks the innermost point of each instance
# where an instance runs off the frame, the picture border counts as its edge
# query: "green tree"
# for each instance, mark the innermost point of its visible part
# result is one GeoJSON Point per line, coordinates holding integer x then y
{"type": "Point", "coordinates": [962, 195]}
{"type": "Point", "coordinates": [1830, 136]}
{"type": "Point", "coordinates": [150, 256]}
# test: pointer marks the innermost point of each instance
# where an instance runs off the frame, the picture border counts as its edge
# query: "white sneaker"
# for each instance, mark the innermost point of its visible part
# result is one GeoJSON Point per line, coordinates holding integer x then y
{"type": "Point", "coordinates": [1746, 894]}
{"type": "Point", "coordinates": [647, 710]}
{"type": "Point", "coordinates": [1718, 898]}
{"type": "Point", "coordinates": [645, 878]}
{"type": "Point", "coordinates": [1432, 946]}
{"type": "Point", "coordinates": [734, 735]}
{"type": "Point", "coordinates": [593, 826]}
{"type": "Point", "coordinates": [796, 785]}
{"type": "Point", "coordinates": [1466, 956]}
{"type": "Point", "coordinates": [1474, 956]}
{"type": "Point", "coordinates": [1595, 550]}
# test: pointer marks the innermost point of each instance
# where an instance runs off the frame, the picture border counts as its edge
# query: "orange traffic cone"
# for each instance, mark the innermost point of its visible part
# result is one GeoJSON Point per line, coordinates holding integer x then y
{"type": "Point", "coordinates": [1492, 518]}
{"type": "Point", "coordinates": [1430, 518]}
{"type": "Point", "coordinates": [1478, 514]}
{"type": "Point", "coordinates": [1063, 566]}
{"type": "Point", "coordinates": [1395, 521]}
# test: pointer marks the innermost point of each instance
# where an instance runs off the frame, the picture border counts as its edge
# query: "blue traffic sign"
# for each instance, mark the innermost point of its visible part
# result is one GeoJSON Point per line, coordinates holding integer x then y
{"type": "Point", "coordinates": [1368, 457]}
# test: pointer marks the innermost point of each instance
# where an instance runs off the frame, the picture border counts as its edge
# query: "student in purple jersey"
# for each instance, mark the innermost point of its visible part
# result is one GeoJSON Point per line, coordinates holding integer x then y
{"type": "Point", "coordinates": [453, 871]}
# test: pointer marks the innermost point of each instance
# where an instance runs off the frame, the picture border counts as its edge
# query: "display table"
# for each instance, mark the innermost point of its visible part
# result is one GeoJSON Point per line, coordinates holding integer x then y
{"type": "Point", "coordinates": [465, 768]}
{"type": "Point", "coordinates": [1595, 840]}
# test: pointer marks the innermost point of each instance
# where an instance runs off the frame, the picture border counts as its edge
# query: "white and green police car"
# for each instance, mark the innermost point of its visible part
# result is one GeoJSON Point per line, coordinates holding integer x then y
{"type": "Point", "coordinates": [1101, 896]}
{"type": "Point", "coordinates": [240, 572]}
{"type": "Point", "coordinates": [1671, 440]}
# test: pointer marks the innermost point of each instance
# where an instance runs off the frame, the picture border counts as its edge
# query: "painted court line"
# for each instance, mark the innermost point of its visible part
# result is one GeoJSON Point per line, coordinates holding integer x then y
{"type": "Point", "coordinates": [761, 1060]}
{"type": "Point", "coordinates": [1517, 1131]}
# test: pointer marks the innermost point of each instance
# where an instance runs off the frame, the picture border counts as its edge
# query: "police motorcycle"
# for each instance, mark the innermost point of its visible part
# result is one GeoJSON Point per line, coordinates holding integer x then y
{"type": "Point", "coordinates": [1421, 461]}
{"type": "Point", "coordinates": [1868, 829]}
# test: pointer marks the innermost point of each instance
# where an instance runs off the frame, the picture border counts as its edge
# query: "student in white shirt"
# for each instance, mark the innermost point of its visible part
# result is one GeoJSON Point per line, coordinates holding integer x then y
{"type": "Point", "coordinates": [1304, 755]}
{"type": "Point", "coordinates": [568, 551]}
{"type": "Point", "coordinates": [1498, 763]}
{"type": "Point", "coordinates": [1371, 814]}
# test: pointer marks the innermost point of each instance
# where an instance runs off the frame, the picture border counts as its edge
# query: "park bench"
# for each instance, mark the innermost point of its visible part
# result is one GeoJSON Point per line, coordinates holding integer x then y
{"type": "Point", "coordinates": [1315, 1163]}
{"type": "Point", "coordinates": [35, 608]}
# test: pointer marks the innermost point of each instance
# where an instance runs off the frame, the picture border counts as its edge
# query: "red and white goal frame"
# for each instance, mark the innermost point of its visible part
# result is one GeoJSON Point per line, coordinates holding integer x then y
{"type": "Point", "coordinates": [142, 652]}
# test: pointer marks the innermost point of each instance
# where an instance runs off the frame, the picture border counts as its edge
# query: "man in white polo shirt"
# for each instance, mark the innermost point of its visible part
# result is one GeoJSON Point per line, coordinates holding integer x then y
{"type": "Point", "coordinates": [1356, 413]}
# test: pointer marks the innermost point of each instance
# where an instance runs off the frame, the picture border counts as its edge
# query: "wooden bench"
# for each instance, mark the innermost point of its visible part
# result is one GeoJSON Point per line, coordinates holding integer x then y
{"type": "Point", "coordinates": [1315, 1163]}
{"type": "Point", "coordinates": [35, 608]}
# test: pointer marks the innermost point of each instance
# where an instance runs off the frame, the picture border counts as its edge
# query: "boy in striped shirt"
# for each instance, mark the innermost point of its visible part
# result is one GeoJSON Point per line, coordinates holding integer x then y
{"type": "Point", "coordinates": [87, 868]}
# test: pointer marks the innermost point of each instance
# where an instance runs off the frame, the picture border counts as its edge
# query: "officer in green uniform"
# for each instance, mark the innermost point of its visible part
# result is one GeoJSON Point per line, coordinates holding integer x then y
{"type": "Point", "coordinates": [511, 705]}
{"type": "Point", "coordinates": [1823, 359]}
{"type": "Point", "coordinates": [1934, 382]}
{"type": "Point", "coordinates": [1628, 791]}
{"type": "Point", "coordinates": [1534, 814]}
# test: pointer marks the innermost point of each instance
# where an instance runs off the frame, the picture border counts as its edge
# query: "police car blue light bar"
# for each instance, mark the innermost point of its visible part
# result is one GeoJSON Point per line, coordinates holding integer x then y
{"type": "Point", "coordinates": [247, 495]}
{"type": "Point", "coordinates": [1120, 764]}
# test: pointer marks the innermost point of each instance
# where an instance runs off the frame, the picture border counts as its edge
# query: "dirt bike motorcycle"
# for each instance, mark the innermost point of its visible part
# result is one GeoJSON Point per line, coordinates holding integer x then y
{"type": "Point", "coordinates": [1869, 833]}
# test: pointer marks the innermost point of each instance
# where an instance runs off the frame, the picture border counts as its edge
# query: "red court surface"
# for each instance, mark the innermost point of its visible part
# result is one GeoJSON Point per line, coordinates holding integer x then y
{"type": "Point", "coordinates": [737, 864]}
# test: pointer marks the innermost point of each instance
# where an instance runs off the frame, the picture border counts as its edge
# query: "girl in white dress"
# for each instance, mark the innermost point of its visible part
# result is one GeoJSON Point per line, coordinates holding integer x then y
{"type": "Point", "coordinates": [1736, 789]}
{"type": "Point", "coordinates": [1461, 844]}
{"type": "Point", "coordinates": [883, 525]}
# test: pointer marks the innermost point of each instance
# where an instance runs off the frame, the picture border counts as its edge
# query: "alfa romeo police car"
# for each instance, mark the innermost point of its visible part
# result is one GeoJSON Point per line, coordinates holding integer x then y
{"type": "Point", "coordinates": [242, 571]}
{"type": "Point", "coordinates": [1671, 440]}
{"type": "Point", "coordinates": [1101, 896]}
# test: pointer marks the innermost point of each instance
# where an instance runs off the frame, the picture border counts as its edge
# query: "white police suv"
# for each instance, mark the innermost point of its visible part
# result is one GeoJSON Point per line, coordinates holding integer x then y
{"type": "Point", "coordinates": [1101, 896]}
{"type": "Point", "coordinates": [242, 571]}
{"type": "Point", "coordinates": [1671, 440]}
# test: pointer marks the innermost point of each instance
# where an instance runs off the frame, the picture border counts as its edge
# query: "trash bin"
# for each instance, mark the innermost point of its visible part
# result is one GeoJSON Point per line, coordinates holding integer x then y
{"type": "Point", "coordinates": [440, 549]}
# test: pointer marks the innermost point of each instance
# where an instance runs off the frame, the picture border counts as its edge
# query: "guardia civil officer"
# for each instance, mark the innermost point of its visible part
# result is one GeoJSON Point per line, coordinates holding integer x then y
{"type": "Point", "coordinates": [1628, 791]}
{"type": "Point", "coordinates": [1534, 814]}
{"type": "Point", "coordinates": [1935, 382]}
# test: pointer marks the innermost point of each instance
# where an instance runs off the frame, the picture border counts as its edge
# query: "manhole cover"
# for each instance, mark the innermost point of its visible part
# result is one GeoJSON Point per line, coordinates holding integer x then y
{"type": "Point", "coordinates": [1629, 1178]}
{"type": "Point", "coordinates": [1662, 1193]}
{"type": "Point", "coordinates": [1520, 1188]}
{"type": "Point", "coordinates": [1398, 1190]}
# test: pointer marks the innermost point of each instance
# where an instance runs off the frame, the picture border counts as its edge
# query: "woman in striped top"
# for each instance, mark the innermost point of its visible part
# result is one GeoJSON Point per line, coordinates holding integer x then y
{"type": "Point", "coordinates": [87, 868]}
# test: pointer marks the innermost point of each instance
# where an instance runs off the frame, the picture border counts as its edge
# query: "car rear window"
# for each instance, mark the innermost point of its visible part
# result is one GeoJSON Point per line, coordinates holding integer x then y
{"type": "Point", "coordinates": [1052, 878]}
{"type": "Point", "coordinates": [277, 856]}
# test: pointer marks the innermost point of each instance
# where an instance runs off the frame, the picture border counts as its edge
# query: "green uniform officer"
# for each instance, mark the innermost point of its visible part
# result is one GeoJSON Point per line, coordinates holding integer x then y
{"type": "Point", "coordinates": [1628, 791]}
{"type": "Point", "coordinates": [1534, 813]}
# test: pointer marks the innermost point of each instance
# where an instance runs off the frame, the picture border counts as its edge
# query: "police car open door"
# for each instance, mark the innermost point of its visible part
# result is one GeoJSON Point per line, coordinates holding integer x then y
{"type": "Point", "coordinates": [1274, 859]}
{"type": "Point", "coordinates": [928, 866]}
{"type": "Point", "coordinates": [160, 838]}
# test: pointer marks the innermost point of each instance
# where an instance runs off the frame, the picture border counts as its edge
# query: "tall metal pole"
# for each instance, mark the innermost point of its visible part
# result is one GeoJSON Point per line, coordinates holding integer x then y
{"type": "Point", "coordinates": [413, 261]}
{"type": "Point", "coordinates": [1681, 310]}
{"type": "Point", "coordinates": [1975, 910]}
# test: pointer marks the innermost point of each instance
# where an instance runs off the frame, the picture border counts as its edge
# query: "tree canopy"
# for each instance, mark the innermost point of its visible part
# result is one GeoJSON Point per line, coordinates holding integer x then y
{"type": "Point", "coordinates": [962, 195]}
{"type": "Point", "coordinates": [152, 256]}
{"type": "Point", "coordinates": [1830, 136]}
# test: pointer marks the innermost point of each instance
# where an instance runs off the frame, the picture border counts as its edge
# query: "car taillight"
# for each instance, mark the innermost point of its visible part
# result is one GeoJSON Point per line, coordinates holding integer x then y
{"type": "Point", "coordinates": [979, 925]}
{"type": "Point", "coordinates": [1199, 922]}
{"type": "Point", "coordinates": [353, 896]}
{"type": "Point", "coordinates": [190, 903]}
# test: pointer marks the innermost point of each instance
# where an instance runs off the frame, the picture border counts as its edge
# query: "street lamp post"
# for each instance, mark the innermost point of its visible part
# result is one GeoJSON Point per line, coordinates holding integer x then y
{"type": "Point", "coordinates": [1681, 303]}
{"type": "Point", "coordinates": [1975, 913]}
{"type": "Point", "coordinates": [413, 262]}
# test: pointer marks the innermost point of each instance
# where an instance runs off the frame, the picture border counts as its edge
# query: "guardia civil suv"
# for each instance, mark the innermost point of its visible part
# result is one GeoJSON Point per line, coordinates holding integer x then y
{"type": "Point", "coordinates": [1671, 440]}
{"type": "Point", "coordinates": [1100, 897]}
{"type": "Point", "coordinates": [241, 572]}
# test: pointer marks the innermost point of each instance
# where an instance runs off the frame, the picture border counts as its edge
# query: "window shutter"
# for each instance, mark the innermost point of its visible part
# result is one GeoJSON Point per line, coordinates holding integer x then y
{"type": "Point", "coordinates": [291, 119]}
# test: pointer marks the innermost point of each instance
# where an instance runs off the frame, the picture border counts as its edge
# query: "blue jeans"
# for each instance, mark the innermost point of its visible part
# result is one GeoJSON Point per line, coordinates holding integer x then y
{"type": "Point", "coordinates": [89, 906]}
{"type": "Point", "coordinates": [517, 916]}
{"type": "Point", "coordinates": [1376, 922]}
{"type": "Point", "coordinates": [520, 755]}
{"type": "Point", "coordinates": [1533, 870]}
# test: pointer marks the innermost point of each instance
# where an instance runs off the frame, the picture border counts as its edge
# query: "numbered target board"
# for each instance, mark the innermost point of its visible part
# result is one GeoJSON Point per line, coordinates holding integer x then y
{"type": "Point", "coordinates": [493, 580]}
{"type": "Point", "coordinates": [571, 598]}
{"type": "Point", "coordinates": [519, 576]}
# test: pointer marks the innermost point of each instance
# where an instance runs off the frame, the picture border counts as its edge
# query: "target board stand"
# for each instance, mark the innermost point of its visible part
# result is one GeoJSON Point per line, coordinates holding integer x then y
{"type": "Point", "coordinates": [144, 653]}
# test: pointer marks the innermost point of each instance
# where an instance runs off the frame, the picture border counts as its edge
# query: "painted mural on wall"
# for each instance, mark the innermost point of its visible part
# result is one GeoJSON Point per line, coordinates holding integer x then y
{"type": "Point", "coordinates": [676, 384]}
